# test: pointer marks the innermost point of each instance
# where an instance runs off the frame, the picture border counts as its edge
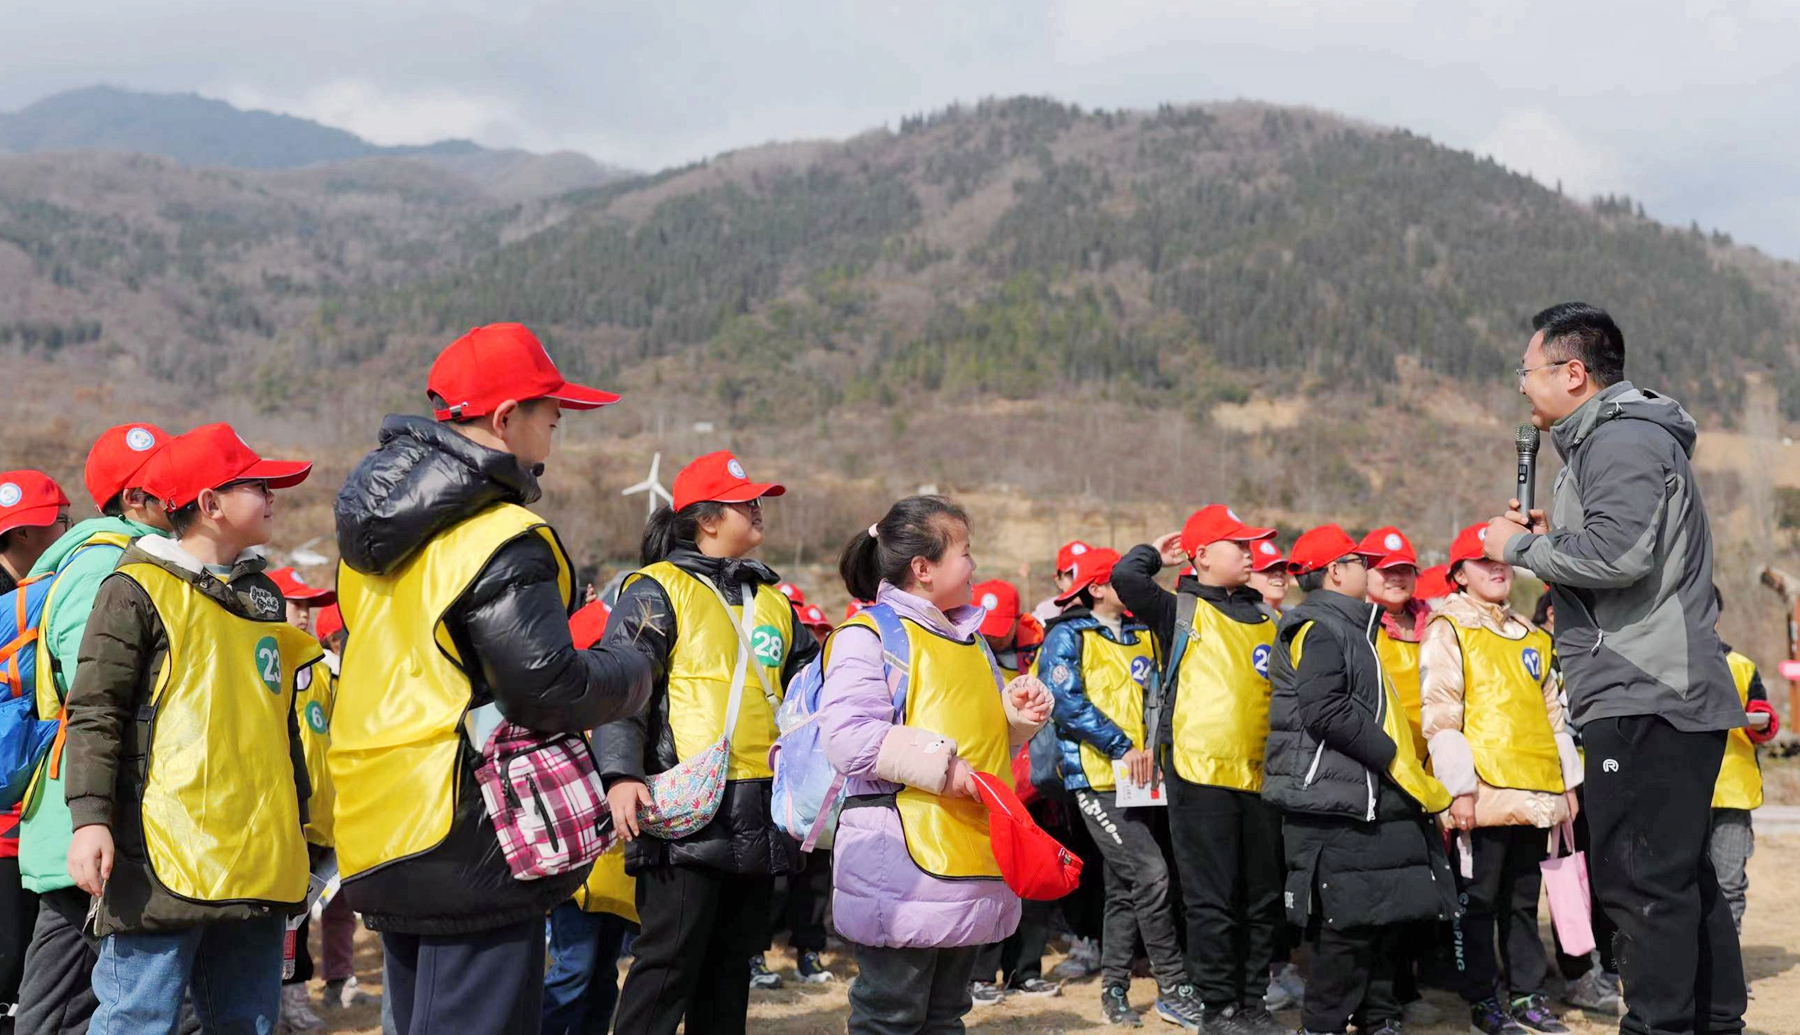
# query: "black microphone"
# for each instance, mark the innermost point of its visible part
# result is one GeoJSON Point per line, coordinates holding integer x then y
{"type": "Point", "coordinates": [1527, 441]}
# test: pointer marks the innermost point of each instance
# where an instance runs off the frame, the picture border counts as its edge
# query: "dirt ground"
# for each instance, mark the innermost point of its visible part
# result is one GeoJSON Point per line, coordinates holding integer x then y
{"type": "Point", "coordinates": [1771, 952]}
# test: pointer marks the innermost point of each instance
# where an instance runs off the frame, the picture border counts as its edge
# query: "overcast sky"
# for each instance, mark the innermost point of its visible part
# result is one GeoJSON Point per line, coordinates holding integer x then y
{"type": "Point", "coordinates": [1689, 105]}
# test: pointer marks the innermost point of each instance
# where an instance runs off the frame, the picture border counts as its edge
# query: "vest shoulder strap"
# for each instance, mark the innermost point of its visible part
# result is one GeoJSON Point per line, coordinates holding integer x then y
{"type": "Point", "coordinates": [1186, 604]}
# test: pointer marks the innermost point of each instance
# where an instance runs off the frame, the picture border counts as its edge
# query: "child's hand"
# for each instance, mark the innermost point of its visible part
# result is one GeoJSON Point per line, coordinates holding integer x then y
{"type": "Point", "coordinates": [1030, 699]}
{"type": "Point", "coordinates": [91, 858]}
{"type": "Point", "coordinates": [961, 781]}
{"type": "Point", "coordinates": [1169, 546]}
{"type": "Point", "coordinates": [624, 798]}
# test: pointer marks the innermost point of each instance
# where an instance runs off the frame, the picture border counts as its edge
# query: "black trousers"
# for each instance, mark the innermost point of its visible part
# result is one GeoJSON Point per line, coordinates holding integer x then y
{"type": "Point", "coordinates": [1352, 979]}
{"type": "Point", "coordinates": [1020, 957]}
{"type": "Point", "coordinates": [1573, 967]}
{"type": "Point", "coordinates": [57, 996]}
{"type": "Point", "coordinates": [1228, 855]}
{"type": "Point", "coordinates": [908, 991]}
{"type": "Point", "coordinates": [1500, 905]}
{"type": "Point", "coordinates": [1137, 891]}
{"type": "Point", "coordinates": [699, 929]}
{"type": "Point", "coordinates": [490, 983]}
{"type": "Point", "coordinates": [18, 914]}
{"type": "Point", "coordinates": [800, 901]}
{"type": "Point", "coordinates": [1650, 814]}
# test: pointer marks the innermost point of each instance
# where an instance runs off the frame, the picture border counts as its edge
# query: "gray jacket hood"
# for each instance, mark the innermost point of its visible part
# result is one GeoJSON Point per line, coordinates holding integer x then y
{"type": "Point", "coordinates": [1625, 401]}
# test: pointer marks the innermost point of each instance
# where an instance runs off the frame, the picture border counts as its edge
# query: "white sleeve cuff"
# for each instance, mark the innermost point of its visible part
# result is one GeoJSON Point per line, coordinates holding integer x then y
{"type": "Point", "coordinates": [1571, 761]}
{"type": "Point", "coordinates": [1452, 762]}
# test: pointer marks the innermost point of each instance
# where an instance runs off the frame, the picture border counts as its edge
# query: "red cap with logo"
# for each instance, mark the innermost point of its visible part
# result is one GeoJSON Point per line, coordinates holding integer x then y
{"type": "Point", "coordinates": [1093, 568]}
{"type": "Point", "coordinates": [119, 454]}
{"type": "Point", "coordinates": [813, 617]}
{"type": "Point", "coordinates": [29, 499]}
{"type": "Point", "coordinates": [1323, 545]}
{"type": "Point", "coordinates": [792, 592]}
{"type": "Point", "coordinates": [208, 457]}
{"type": "Point", "coordinates": [1217, 523]}
{"type": "Point", "coordinates": [294, 587]}
{"type": "Point", "coordinates": [1265, 555]}
{"type": "Point", "coordinates": [1001, 600]}
{"type": "Point", "coordinates": [1434, 582]}
{"type": "Point", "coordinates": [1469, 544]}
{"type": "Point", "coordinates": [720, 478]}
{"type": "Point", "coordinates": [328, 622]}
{"type": "Point", "coordinates": [1389, 548]}
{"type": "Point", "coordinates": [1065, 557]}
{"type": "Point", "coordinates": [588, 624]}
{"type": "Point", "coordinates": [489, 365]}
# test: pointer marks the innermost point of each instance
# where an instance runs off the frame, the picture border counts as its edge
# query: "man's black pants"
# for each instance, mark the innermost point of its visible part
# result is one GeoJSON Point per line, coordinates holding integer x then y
{"type": "Point", "coordinates": [1649, 808]}
{"type": "Point", "coordinates": [699, 930]}
{"type": "Point", "coordinates": [1228, 855]}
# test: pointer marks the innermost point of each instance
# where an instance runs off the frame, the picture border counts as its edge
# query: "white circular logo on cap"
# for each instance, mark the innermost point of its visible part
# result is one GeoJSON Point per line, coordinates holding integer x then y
{"type": "Point", "coordinates": [10, 495]}
{"type": "Point", "coordinates": [1077, 549]}
{"type": "Point", "coordinates": [1267, 548]}
{"type": "Point", "coordinates": [139, 439]}
{"type": "Point", "coordinates": [1232, 514]}
{"type": "Point", "coordinates": [299, 580]}
{"type": "Point", "coordinates": [990, 601]}
{"type": "Point", "coordinates": [1393, 541]}
{"type": "Point", "coordinates": [736, 469]}
{"type": "Point", "coordinates": [1482, 535]}
{"type": "Point", "coordinates": [786, 590]}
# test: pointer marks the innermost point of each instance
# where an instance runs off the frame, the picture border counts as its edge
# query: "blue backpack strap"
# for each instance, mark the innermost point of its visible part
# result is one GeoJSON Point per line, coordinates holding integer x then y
{"type": "Point", "coordinates": [896, 652]}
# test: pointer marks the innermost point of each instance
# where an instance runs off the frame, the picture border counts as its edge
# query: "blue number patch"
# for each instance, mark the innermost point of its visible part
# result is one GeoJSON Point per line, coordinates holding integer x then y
{"type": "Point", "coordinates": [1259, 660]}
{"type": "Point", "coordinates": [1534, 662]}
{"type": "Point", "coordinates": [1141, 669]}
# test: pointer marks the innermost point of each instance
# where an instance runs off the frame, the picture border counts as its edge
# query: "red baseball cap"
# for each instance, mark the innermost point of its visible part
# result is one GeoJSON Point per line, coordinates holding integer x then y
{"type": "Point", "coordinates": [489, 365]}
{"type": "Point", "coordinates": [209, 456]}
{"type": "Point", "coordinates": [294, 587]}
{"type": "Point", "coordinates": [1065, 557]}
{"type": "Point", "coordinates": [29, 499]}
{"type": "Point", "coordinates": [1389, 547]}
{"type": "Point", "coordinates": [1266, 555]}
{"type": "Point", "coordinates": [719, 477]}
{"type": "Point", "coordinates": [1032, 863]}
{"type": "Point", "coordinates": [588, 624]}
{"type": "Point", "coordinates": [1217, 523]}
{"type": "Point", "coordinates": [1434, 582]}
{"type": "Point", "coordinates": [1091, 569]}
{"type": "Point", "coordinates": [854, 606]}
{"type": "Point", "coordinates": [1321, 546]}
{"type": "Point", "coordinates": [328, 622]}
{"type": "Point", "coordinates": [1469, 544]}
{"type": "Point", "coordinates": [813, 617]}
{"type": "Point", "coordinates": [1031, 632]}
{"type": "Point", "coordinates": [792, 592]}
{"type": "Point", "coordinates": [1001, 599]}
{"type": "Point", "coordinates": [116, 459]}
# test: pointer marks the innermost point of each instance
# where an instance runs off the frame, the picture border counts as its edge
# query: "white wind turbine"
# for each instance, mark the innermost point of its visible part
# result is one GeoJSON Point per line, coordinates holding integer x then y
{"type": "Point", "coordinates": [653, 486]}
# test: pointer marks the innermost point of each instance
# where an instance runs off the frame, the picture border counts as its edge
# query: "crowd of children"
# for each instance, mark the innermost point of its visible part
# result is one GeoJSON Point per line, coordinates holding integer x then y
{"type": "Point", "coordinates": [229, 751]}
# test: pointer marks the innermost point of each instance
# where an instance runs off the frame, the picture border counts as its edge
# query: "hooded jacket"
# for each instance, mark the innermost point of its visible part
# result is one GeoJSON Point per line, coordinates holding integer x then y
{"type": "Point", "coordinates": [742, 837]}
{"type": "Point", "coordinates": [513, 624]}
{"type": "Point", "coordinates": [1629, 558]}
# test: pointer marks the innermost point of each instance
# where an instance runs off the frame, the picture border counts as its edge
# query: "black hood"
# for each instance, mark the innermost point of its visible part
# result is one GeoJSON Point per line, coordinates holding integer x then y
{"type": "Point", "coordinates": [1358, 613]}
{"type": "Point", "coordinates": [421, 479]}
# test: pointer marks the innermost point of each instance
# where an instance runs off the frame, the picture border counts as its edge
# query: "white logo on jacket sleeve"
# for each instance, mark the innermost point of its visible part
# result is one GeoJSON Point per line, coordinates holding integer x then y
{"type": "Point", "coordinates": [139, 439]}
{"type": "Point", "coordinates": [736, 469]}
{"type": "Point", "coordinates": [1059, 675]}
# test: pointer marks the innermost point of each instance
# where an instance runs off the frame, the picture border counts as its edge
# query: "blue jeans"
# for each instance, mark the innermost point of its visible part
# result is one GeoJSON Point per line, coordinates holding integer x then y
{"type": "Point", "coordinates": [583, 984]}
{"type": "Point", "coordinates": [231, 969]}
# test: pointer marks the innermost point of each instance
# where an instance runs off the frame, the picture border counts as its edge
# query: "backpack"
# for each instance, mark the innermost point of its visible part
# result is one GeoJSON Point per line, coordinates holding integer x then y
{"type": "Point", "coordinates": [807, 793]}
{"type": "Point", "coordinates": [24, 738]}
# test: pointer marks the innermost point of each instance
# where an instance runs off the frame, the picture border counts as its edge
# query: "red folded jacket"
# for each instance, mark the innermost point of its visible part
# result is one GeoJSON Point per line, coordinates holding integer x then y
{"type": "Point", "coordinates": [1031, 862]}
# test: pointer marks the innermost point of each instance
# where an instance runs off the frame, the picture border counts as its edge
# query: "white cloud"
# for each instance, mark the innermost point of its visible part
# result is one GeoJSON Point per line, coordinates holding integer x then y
{"type": "Point", "coordinates": [1535, 142]}
{"type": "Point", "coordinates": [393, 117]}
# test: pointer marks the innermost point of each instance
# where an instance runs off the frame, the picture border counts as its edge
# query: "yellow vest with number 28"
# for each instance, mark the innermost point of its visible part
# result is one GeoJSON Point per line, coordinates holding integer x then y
{"type": "Point", "coordinates": [218, 828]}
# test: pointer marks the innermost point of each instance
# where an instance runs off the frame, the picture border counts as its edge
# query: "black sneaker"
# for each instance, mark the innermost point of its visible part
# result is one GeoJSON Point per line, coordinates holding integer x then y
{"type": "Point", "coordinates": [812, 970]}
{"type": "Point", "coordinates": [1036, 988]}
{"type": "Point", "coordinates": [1533, 1011]}
{"type": "Point", "coordinates": [1181, 1007]}
{"type": "Point", "coordinates": [1488, 1017]}
{"type": "Point", "coordinates": [1115, 1002]}
{"type": "Point", "coordinates": [986, 993]}
{"type": "Point", "coordinates": [1386, 1028]}
{"type": "Point", "coordinates": [1255, 1019]}
{"type": "Point", "coordinates": [761, 976]}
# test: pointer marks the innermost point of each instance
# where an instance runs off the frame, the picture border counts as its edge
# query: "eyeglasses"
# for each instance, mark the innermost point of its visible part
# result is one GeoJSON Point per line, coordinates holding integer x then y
{"type": "Point", "coordinates": [1524, 371]}
{"type": "Point", "coordinates": [1356, 559]}
{"type": "Point", "coordinates": [261, 487]}
{"type": "Point", "coordinates": [755, 505]}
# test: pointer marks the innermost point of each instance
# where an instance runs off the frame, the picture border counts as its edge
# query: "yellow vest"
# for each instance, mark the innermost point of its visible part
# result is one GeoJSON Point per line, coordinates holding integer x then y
{"type": "Point", "coordinates": [951, 690]}
{"type": "Point", "coordinates": [1504, 718]}
{"type": "Point", "coordinates": [397, 728]}
{"type": "Point", "coordinates": [313, 705]}
{"type": "Point", "coordinates": [1400, 660]}
{"type": "Point", "coordinates": [1114, 676]}
{"type": "Point", "coordinates": [221, 817]}
{"type": "Point", "coordinates": [706, 651]}
{"type": "Point", "coordinates": [1221, 719]}
{"type": "Point", "coordinates": [1740, 783]}
{"type": "Point", "coordinates": [609, 889]}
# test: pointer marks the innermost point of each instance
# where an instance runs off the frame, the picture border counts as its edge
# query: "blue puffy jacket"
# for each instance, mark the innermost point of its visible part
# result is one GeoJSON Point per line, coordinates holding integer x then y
{"type": "Point", "coordinates": [1077, 718]}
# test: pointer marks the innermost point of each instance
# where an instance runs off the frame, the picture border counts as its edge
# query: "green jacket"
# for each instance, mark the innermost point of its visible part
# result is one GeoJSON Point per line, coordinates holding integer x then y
{"type": "Point", "coordinates": [44, 835]}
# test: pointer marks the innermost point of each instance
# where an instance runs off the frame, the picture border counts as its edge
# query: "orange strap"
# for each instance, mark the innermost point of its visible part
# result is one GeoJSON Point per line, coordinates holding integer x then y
{"type": "Point", "coordinates": [56, 746]}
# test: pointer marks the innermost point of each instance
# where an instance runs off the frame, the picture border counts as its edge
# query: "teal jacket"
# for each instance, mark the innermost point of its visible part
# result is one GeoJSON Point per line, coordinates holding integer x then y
{"type": "Point", "coordinates": [45, 833]}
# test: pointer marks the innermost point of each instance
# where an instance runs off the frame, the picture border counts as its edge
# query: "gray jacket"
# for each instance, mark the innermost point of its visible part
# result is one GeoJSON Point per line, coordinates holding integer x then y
{"type": "Point", "coordinates": [1630, 560]}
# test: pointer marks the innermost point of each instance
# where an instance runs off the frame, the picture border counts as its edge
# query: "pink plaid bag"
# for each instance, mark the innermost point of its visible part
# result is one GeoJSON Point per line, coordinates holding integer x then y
{"type": "Point", "coordinates": [1566, 885]}
{"type": "Point", "coordinates": [544, 797]}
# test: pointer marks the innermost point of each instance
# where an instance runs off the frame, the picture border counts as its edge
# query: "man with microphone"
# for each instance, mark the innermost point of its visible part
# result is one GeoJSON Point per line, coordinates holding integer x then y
{"type": "Point", "coordinates": [1627, 551]}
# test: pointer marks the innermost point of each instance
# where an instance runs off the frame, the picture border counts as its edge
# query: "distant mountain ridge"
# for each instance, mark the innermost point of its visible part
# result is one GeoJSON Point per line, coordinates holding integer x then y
{"type": "Point", "coordinates": [202, 132]}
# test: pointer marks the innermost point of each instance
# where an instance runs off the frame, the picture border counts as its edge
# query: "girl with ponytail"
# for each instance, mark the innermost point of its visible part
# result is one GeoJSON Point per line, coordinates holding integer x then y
{"type": "Point", "coordinates": [916, 889]}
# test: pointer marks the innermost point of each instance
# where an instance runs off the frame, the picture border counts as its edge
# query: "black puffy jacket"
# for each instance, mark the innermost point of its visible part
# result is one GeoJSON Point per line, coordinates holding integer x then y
{"type": "Point", "coordinates": [513, 622]}
{"type": "Point", "coordinates": [742, 838]}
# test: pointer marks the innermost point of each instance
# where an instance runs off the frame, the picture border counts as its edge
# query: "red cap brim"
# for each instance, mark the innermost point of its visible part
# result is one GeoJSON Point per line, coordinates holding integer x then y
{"type": "Point", "coordinates": [1251, 535]}
{"type": "Point", "coordinates": [750, 491]}
{"type": "Point", "coordinates": [581, 397]}
{"type": "Point", "coordinates": [317, 597]}
{"type": "Point", "coordinates": [280, 474]}
{"type": "Point", "coordinates": [1393, 560]}
{"type": "Point", "coordinates": [30, 517]}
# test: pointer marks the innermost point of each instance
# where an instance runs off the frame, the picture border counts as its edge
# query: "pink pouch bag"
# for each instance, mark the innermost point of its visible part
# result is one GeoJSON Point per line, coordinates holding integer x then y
{"type": "Point", "coordinates": [1566, 885]}
{"type": "Point", "coordinates": [545, 800]}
